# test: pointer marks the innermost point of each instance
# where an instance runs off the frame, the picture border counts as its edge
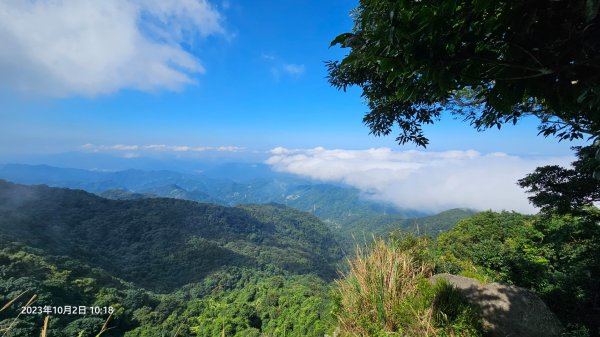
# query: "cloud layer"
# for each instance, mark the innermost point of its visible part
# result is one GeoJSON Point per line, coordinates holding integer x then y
{"type": "Point", "coordinates": [430, 181]}
{"type": "Point", "coordinates": [88, 47]}
{"type": "Point", "coordinates": [133, 151]}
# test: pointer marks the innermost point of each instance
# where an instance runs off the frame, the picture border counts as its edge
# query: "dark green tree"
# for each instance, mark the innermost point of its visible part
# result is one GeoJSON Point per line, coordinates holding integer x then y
{"type": "Point", "coordinates": [489, 62]}
{"type": "Point", "coordinates": [561, 190]}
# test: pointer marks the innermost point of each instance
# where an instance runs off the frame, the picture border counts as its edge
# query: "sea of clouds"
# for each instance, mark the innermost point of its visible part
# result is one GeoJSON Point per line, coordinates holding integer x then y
{"type": "Point", "coordinates": [422, 180]}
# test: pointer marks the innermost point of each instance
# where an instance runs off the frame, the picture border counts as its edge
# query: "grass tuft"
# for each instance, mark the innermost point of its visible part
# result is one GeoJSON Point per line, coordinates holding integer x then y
{"type": "Point", "coordinates": [387, 292]}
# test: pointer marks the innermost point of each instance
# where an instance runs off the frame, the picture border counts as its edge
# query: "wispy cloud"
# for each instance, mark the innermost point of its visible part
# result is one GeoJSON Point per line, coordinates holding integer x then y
{"type": "Point", "coordinates": [279, 67]}
{"type": "Point", "coordinates": [268, 56]}
{"type": "Point", "coordinates": [294, 69]}
{"type": "Point", "coordinates": [431, 181]}
{"type": "Point", "coordinates": [158, 148]}
{"type": "Point", "coordinates": [87, 47]}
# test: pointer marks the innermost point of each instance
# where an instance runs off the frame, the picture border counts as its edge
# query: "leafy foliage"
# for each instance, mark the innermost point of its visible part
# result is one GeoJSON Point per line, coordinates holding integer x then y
{"type": "Point", "coordinates": [59, 281]}
{"type": "Point", "coordinates": [263, 270]}
{"type": "Point", "coordinates": [245, 300]}
{"type": "Point", "coordinates": [270, 307]}
{"type": "Point", "coordinates": [361, 228]}
{"type": "Point", "coordinates": [490, 62]}
{"type": "Point", "coordinates": [559, 190]}
{"type": "Point", "coordinates": [556, 256]}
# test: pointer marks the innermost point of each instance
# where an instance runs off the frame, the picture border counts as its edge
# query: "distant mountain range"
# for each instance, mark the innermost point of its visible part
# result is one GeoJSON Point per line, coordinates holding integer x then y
{"type": "Point", "coordinates": [347, 211]}
{"type": "Point", "coordinates": [227, 184]}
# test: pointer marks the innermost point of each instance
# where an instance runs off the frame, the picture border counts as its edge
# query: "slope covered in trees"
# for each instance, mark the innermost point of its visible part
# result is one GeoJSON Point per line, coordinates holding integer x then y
{"type": "Point", "coordinates": [169, 265]}
{"type": "Point", "coordinates": [162, 244]}
{"type": "Point", "coordinates": [233, 301]}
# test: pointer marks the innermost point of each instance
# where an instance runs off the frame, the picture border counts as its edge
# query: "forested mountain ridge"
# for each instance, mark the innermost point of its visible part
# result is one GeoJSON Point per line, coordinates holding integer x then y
{"type": "Point", "coordinates": [162, 244]}
{"type": "Point", "coordinates": [348, 212]}
{"type": "Point", "coordinates": [384, 224]}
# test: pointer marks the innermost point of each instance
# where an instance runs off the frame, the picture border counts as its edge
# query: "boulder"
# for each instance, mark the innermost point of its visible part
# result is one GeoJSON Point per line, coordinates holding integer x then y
{"type": "Point", "coordinates": [507, 311]}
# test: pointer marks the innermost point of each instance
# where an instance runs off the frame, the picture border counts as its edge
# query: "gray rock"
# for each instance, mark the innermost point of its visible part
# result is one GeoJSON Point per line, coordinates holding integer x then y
{"type": "Point", "coordinates": [507, 311]}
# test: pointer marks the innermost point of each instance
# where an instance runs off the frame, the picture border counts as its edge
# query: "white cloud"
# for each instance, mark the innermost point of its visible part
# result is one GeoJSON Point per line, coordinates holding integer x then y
{"type": "Point", "coordinates": [88, 47]}
{"type": "Point", "coordinates": [130, 155]}
{"type": "Point", "coordinates": [126, 147]}
{"type": "Point", "coordinates": [431, 181]}
{"type": "Point", "coordinates": [158, 148]}
{"type": "Point", "coordinates": [294, 69]}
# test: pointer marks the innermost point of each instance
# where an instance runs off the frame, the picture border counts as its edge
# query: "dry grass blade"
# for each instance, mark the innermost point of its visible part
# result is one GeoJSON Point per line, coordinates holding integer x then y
{"type": "Point", "coordinates": [13, 301]}
{"type": "Point", "coordinates": [105, 326]}
{"type": "Point", "coordinates": [19, 315]}
{"type": "Point", "coordinates": [45, 328]}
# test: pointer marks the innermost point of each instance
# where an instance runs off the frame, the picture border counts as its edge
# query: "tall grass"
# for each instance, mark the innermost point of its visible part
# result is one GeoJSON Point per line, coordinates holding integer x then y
{"type": "Point", "coordinates": [16, 319]}
{"type": "Point", "coordinates": [387, 292]}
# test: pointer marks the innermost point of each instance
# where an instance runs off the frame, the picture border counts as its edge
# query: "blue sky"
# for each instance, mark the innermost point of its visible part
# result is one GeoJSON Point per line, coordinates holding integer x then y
{"type": "Point", "coordinates": [115, 84]}
{"type": "Point", "coordinates": [263, 85]}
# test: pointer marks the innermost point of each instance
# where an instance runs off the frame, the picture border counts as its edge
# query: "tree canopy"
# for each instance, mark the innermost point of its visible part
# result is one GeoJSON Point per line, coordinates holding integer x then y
{"type": "Point", "coordinates": [489, 62]}
{"type": "Point", "coordinates": [562, 190]}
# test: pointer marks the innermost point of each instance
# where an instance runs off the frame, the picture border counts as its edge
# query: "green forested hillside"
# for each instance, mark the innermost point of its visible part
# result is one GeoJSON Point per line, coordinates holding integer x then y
{"type": "Point", "coordinates": [166, 266]}
{"type": "Point", "coordinates": [236, 301]}
{"type": "Point", "coordinates": [365, 226]}
{"type": "Point", "coordinates": [121, 194]}
{"type": "Point", "coordinates": [557, 256]}
{"type": "Point", "coordinates": [435, 224]}
{"type": "Point", "coordinates": [171, 266]}
{"type": "Point", "coordinates": [162, 244]}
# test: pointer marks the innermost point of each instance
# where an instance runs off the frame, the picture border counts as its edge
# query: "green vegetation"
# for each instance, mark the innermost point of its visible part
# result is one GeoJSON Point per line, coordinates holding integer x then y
{"type": "Point", "coordinates": [164, 265]}
{"type": "Point", "coordinates": [387, 292]}
{"type": "Point", "coordinates": [562, 190]}
{"type": "Point", "coordinates": [345, 210]}
{"type": "Point", "coordinates": [432, 225]}
{"type": "Point", "coordinates": [494, 63]}
{"type": "Point", "coordinates": [59, 281]}
{"type": "Point", "coordinates": [241, 301]}
{"type": "Point", "coordinates": [489, 62]}
{"type": "Point", "coordinates": [555, 253]}
{"type": "Point", "coordinates": [174, 267]}
{"type": "Point", "coordinates": [275, 306]}
{"type": "Point", "coordinates": [556, 256]}
{"type": "Point", "coordinates": [337, 205]}
{"type": "Point", "coordinates": [162, 244]}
